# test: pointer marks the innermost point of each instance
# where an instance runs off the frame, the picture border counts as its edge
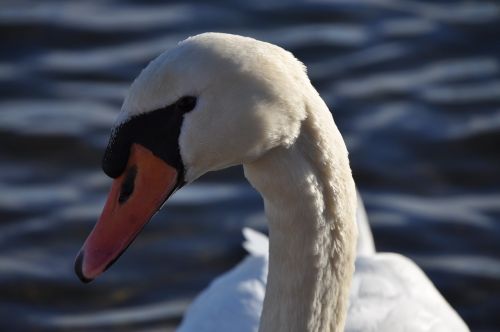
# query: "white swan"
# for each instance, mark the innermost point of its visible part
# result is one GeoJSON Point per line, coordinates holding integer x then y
{"type": "Point", "coordinates": [218, 100]}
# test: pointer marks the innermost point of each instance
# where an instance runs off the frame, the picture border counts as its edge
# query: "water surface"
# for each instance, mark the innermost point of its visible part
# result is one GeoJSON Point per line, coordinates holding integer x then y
{"type": "Point", "coordinates": [414, 88]}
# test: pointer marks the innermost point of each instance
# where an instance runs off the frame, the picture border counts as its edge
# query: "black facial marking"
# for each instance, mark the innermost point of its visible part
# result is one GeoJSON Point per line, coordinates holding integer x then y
{"type": "Point", "coordinates": [156, 130]}
{"type": "Point", "coordinates": [128, 185]}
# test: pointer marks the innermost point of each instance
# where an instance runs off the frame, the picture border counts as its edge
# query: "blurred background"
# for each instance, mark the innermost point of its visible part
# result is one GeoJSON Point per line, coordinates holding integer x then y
{"type": "Point", "coordinates": [414, 87]}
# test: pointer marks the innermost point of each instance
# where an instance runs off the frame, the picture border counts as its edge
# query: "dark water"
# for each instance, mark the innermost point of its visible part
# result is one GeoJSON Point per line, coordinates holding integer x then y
{"type": "Point", "coordinates": [414, 87]}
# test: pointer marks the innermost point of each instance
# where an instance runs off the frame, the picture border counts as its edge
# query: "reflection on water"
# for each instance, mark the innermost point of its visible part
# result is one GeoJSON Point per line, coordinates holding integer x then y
{"type": "Point", "coordinates": [414, 88]}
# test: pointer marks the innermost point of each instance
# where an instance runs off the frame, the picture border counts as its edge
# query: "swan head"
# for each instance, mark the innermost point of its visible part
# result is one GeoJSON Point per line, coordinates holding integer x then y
{"type": "Point", "coordinates": [214, 101]}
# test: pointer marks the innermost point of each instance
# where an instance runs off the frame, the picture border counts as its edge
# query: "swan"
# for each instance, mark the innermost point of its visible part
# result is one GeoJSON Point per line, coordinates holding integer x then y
{"type": "Point", "coordinates": [217, 100]}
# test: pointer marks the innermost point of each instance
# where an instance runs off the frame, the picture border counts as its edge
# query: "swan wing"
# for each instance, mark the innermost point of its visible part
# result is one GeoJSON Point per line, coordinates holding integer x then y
{"type": "Point", "coordinates": [233, 301]}
{"type": "Point", "coordinates": [389, 292]}
{"type": "Point", "coordinates": [256, 243]}
{"type": "Point", "coordinates": [365, 244]}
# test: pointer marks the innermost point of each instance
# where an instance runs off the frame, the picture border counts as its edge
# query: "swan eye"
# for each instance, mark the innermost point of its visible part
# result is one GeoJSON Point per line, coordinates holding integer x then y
{"type": "Point", "coordinates": [186, 104]}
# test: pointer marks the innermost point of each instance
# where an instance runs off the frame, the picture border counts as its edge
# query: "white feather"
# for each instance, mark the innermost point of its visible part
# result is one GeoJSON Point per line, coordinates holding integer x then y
{"type": "Point", "coordinates": [389, 293]}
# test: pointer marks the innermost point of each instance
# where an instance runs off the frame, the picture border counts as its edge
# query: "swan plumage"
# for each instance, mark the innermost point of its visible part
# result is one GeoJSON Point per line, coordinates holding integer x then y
{"type": "Point", "coordinates": [389, 292]}
{"type": "Point", "coordinates": [218, 100]}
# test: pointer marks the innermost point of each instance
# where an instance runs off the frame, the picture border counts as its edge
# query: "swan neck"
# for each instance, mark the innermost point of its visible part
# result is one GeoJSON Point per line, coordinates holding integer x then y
{"type": "Point", "coordinates": [310, 203]}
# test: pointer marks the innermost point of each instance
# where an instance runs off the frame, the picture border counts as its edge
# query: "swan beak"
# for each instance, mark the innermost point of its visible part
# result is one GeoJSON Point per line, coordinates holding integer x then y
{"type": "Point", "coordinates": [135, 196]}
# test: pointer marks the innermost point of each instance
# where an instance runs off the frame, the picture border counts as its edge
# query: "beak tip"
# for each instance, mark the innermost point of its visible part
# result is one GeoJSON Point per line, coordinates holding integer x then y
{"type": "Point", "coordinates": [79, 269]}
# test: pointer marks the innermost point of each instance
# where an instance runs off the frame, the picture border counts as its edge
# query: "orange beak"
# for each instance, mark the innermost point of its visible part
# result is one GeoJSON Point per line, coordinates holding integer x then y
{"type": "Point", "coordinates": [135, 196]}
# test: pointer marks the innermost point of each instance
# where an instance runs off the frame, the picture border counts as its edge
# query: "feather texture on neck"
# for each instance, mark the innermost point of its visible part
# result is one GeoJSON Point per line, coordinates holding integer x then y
{"type": "Point", "coordinates": [310, 202]}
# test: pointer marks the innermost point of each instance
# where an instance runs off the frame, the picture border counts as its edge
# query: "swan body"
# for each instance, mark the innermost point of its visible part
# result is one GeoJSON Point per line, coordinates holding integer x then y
{"type": "Point", "coordinates": [389, 293]}
{"type": "Point", "coordinates": [218, 100]}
